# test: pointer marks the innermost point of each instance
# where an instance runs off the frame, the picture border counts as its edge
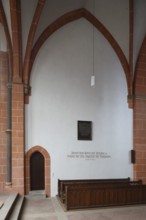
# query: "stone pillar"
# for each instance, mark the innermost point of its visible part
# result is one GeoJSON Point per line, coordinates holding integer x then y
{"type": "Point", "coordinates": [140, 139]}
{"type": "Point", "coordinates": [18, 138]}
{"type": "Point", "coordinates": [140, 115]}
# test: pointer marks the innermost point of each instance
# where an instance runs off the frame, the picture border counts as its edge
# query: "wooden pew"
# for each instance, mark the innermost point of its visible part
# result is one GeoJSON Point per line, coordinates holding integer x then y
{"type": "Point", "coordinates": [93, 197]}
{"type": "Point", "coordinates": [61, 183]}
{"type": "Point", "coordinates": [105, 184]}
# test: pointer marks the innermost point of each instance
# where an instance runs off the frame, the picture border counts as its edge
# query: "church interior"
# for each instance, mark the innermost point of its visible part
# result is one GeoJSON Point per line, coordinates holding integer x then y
{"type": "Point", "coordinates": [73, 101]}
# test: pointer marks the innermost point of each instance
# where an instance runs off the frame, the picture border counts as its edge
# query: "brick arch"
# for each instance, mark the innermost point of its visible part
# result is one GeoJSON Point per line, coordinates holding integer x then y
{"type": "Point", "coordinates": [72, 16]}
{"type": "Point", "coordinates": [47, 168]}
{"type": "Point", "coordinates": [33, 28]}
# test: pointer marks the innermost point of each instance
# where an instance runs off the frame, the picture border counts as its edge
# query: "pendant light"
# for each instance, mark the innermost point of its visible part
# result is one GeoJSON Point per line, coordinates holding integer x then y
{"type": "Point", "coordinates": [93, 72]}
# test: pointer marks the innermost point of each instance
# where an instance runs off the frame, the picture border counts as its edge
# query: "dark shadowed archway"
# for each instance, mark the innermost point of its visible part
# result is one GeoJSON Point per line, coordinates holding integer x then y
{"type": "Point", "coordinates": [37, 174]}
{"type": "Point", "coordinates": [32, 156]}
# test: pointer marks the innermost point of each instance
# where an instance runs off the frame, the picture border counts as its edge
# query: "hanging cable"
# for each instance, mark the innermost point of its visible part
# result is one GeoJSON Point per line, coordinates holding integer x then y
{"type": "Point", "coordinates": [93, 68]}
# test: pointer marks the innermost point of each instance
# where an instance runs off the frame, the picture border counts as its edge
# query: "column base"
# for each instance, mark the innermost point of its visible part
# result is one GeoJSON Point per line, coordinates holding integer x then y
{"type": "Point", "coordinates": [8, 184]}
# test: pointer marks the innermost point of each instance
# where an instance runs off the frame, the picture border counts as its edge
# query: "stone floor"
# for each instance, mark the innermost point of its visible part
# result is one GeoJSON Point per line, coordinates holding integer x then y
{"type": "Point", "coordinates": [50, 209]}
{"type": "Point", "coordinates": [3, 197]}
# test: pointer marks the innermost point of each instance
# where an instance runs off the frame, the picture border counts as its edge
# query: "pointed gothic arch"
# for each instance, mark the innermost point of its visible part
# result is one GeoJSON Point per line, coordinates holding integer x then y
{"type": "Point", "coordinates": [72, 16]}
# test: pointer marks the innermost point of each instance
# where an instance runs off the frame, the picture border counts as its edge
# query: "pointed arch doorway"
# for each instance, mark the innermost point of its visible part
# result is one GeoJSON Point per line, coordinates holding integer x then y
{"type": "Point", "coordinates": [33, 154]}
{"type": "Point", "coordinates": [37, 174]}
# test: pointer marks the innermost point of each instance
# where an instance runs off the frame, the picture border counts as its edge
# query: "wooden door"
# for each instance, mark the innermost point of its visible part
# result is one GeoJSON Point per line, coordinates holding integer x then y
{"type": "Point", "coordinates": [37, 177]}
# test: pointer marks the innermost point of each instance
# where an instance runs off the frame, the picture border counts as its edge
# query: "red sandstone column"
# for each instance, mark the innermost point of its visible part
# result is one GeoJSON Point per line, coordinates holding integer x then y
{"type": "Point", "coordinates": [18, 138]}
{"type": "Point", "coordinates": [140, 139]}
{"type": "Point", "coordinates": [140, 115]}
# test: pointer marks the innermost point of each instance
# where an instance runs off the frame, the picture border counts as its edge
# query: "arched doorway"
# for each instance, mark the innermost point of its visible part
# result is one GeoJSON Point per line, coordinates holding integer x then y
{"type": "Point", "coordinates": [47, 164]}
{"type": "Point", "coordinates": [37, 174]}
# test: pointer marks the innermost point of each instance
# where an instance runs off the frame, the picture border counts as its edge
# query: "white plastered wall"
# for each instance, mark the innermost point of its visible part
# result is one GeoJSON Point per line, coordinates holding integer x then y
{"type": "Point", "coordinates": [62, 95]}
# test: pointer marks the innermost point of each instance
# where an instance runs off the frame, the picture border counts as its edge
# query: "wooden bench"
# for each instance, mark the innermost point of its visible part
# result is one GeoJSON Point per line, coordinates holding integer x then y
{"type": "Point", "coordinates": [61, 183]}
{"type": "Point", "coordinates": [100, 196]}
{"type": "Point", "coordinates": [105, 184]}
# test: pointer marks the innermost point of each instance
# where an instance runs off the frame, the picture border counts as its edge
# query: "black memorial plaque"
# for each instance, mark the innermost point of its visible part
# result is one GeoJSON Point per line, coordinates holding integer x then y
{"type": "Point", "coordinates": [84, 130]}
